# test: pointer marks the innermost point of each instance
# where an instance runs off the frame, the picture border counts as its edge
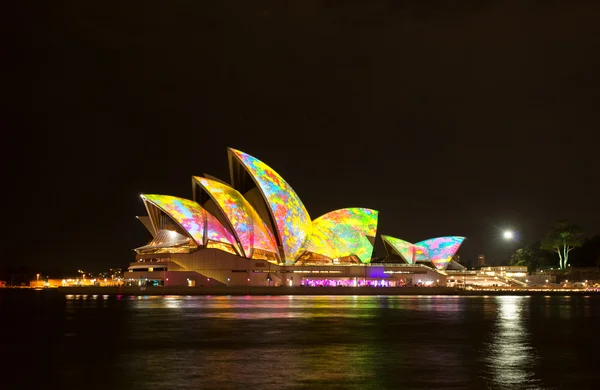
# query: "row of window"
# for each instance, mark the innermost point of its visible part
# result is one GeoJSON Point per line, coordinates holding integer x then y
{"type": "Point", "coordinates": [157, 269]}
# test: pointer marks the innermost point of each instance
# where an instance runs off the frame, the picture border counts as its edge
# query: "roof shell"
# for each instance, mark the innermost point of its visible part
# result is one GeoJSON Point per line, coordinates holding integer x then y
{"type": "Point", "coordinates": [197, 222]}
{"type": "Point", "coordinates": [440, 250]}
{"type": "Point", "coordinates": [292, 221]}
{"type": "Point", "coordinates": [343, 233]}
{"type": "Point", "coordinates": [405, 249]}
{"type": "Point", "coordinates": [249, 228]}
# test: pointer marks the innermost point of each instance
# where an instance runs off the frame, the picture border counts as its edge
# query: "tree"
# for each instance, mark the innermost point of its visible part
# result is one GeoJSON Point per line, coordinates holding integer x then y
{"type": "Point", "coordinates": [562, 239]}
{"type": "Point", "coordinates": [530, 256]}
{"type": "Point", "coordinates": [522, 257]}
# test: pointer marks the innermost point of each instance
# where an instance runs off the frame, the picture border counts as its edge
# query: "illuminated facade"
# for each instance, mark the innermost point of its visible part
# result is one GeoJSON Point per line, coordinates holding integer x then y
{"type": "Point", "coordinates": [344, 233]}
{"type": "Point", "coordinates": [439, 251]}
{"type": "Point", "coordinates": [183, 224]}
{"type": "Point", "coordinates": [251, 231]}
{"type": "Point", "coordinates": [404, 249]}
{"type": "Point", "coordinates": [257, 225]}
{"type": "Point", "coordinates": [292, 222]}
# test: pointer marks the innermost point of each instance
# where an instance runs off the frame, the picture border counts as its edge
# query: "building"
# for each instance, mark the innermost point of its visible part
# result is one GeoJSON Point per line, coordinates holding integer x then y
{"type": "Point", "coordinates": [471, 278]}
{"type": "Point", "coordinates": [510, 271]}
{"type": "Point", "coordinates": [480, 260]}
{"type": "Point", "coordinates": [502, 276]}
{"type": "Point", "coordinates": [75, 282]}
{"type": "Point", "coordinates": [256, 231]}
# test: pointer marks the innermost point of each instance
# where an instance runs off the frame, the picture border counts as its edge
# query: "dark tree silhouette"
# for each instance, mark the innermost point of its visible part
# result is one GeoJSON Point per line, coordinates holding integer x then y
{"type": "Point", "coordinates": [562, 239]}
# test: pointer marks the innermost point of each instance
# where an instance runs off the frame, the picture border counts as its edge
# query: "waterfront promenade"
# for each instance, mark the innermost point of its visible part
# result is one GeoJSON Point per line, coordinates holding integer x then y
{"type": "Point", "coordinates": [349, 291]}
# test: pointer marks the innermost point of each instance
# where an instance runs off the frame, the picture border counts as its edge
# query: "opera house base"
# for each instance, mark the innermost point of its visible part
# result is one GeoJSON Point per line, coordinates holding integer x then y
{"type": "Point", "coordinates": [212, 268]}
{"type": "Point", "coordinates": [242, 291]}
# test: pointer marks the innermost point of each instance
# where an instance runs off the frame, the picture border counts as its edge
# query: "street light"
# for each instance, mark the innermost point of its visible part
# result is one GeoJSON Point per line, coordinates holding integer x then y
{"type": "Point", "coordinates": [508, 235]}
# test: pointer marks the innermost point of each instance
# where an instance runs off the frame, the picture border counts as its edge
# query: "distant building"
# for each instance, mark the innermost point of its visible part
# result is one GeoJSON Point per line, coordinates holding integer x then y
{"type": "Point", "coordinates": [480, 260]}
{"type": "Point", "coordinates": [511, 271]}
{"type": "Point", "coordinates": [488, 277]}
{"type": "Point", "coordinates": [76, 282]}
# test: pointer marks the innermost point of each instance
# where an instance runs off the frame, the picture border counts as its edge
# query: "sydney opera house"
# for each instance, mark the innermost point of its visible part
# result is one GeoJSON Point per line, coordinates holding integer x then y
{"type": "Point", "coordinates": [255, 231]}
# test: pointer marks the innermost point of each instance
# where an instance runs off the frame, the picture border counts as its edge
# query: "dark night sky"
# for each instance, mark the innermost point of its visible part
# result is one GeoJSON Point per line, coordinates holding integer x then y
{"type": "Point", "coordinates": [449, 119]}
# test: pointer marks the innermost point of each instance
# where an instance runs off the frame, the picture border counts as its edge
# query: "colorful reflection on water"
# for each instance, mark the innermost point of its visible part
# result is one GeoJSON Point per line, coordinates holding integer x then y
{"type": "Point", "coordinates": [274, 342]}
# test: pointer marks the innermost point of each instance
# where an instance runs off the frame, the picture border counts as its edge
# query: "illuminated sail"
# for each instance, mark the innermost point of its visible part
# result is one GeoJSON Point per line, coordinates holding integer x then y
{"type": "Point", "coordinates": [404, 249]}
{"type": "Point", "coordinates": [197, 222]}
{"type": "Point", "coordinates": [440, 250]}
{"type": "Point", "coordinates": [292, 221]}
{"type": "Point", "coordinates": [251, 231]}
{"type": "Point", "coordinates": [344, 232]}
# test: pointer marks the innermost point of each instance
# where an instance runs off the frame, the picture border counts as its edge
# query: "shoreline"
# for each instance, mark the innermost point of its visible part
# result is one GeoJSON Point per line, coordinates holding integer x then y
{"type": "Point", "coordinates": [300, 291]}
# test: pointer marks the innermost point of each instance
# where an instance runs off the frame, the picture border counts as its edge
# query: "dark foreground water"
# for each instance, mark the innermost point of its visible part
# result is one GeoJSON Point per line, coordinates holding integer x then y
{"type": "Point", "coordinates": [257, 342]}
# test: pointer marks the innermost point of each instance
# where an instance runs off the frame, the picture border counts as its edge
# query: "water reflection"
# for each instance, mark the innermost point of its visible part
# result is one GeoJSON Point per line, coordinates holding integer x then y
{"type": "Point", "coordinates": [379, 342]}
{"type": "Point", "coordinates": [307, 342]}
{"type": "Point", "coordinates": [511, 356]}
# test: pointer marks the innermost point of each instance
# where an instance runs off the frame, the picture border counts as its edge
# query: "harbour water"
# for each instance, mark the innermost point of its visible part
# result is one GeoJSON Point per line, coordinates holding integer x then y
{"type": "Point", "coordinates": [272, 342]}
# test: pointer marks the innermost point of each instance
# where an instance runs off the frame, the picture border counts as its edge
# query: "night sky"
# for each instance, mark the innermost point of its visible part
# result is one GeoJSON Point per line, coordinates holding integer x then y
{"type": "Point", "coordinates": [450, 118]}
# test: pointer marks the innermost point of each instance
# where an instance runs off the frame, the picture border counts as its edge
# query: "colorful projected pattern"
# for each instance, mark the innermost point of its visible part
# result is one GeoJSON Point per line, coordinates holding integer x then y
{"type": "Point", "coordinates": [192, 218]}
{"type": "Point", "coordinates": [250, 229]}
{"type": "Point", "coordinates": [421, 253]}
{"type": "Point", "coordinates": [404, 248]}
{"type": "Point", "coordinates": [440, 250]}
{"type": "Point", "coordinates": [217, 232]}
{"type": "Point", "coordinates": [185, 212]}
{"type": "Point", "coordinates": [343, 233]}
{"type": "Point", "coordinates": [291, 218]}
